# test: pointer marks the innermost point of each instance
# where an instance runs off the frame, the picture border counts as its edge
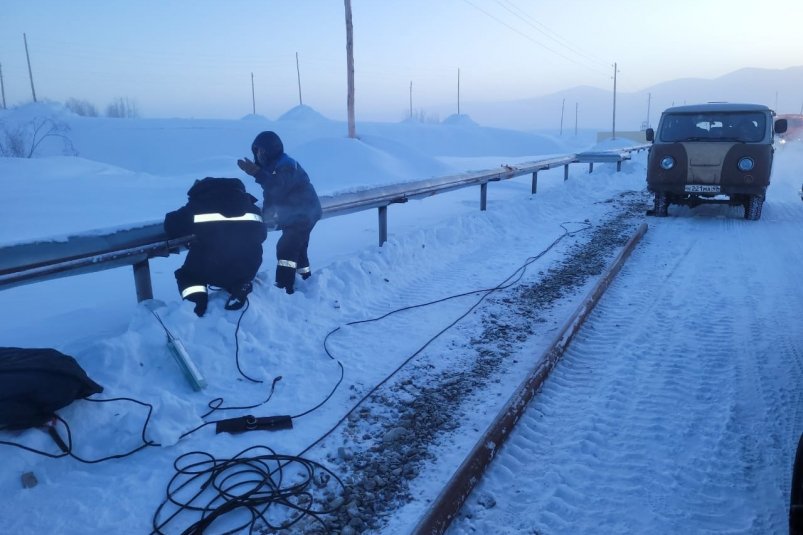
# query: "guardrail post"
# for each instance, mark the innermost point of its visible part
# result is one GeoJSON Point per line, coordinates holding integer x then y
{"type": "Point", "coordinates": [383, 225]}
{"type": "Point", "coordinates": [618, 166]}
{"type": "Point", "coordinates": [566, 172]}
{"type": "Point", "coordinates": [483, 196]}
{"type": "Point", "coordinates": [590, 167]}
{"type": "Point", "coordinates": [535, 182]}
{"type": "Point", "coordinates": [142, 281]}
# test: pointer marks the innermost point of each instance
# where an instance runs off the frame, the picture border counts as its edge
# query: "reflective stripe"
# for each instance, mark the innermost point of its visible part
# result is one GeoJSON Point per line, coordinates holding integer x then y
{"type": "Point", "coordinates": [287, 263]}
{"type": "Point", "coordinates": [189, 290]}
{"type": "Point", "coordinates": [207, 218]}
{"type": "Point", "coordinates": [304, 270]}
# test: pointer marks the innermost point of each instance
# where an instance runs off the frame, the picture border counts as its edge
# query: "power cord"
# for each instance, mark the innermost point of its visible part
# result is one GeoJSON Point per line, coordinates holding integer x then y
{"type": "Point", "coordinates": [66, 446]}
{"type": "Point", "coordinates": [270, 490]}
{"type": "Point", "coordinates": [507, 283]}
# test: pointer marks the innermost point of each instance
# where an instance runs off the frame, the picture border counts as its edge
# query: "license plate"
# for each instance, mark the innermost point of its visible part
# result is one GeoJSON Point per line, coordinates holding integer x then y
{"type": "Point", "coordinates": [701, 188]}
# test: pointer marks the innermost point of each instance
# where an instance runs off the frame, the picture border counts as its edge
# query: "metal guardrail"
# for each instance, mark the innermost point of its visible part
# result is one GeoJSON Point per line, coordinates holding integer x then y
{"type": "Point", "coordinates": [37, 261]}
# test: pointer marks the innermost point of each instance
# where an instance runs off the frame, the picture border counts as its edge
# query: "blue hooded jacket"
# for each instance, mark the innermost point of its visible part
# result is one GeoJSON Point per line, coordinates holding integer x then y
{"type": "Point", "coordinates": [286, 187]}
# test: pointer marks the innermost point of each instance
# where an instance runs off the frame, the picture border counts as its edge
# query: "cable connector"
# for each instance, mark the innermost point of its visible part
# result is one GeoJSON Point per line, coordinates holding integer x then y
{"type": "Point", "coordinates": [252, 423]}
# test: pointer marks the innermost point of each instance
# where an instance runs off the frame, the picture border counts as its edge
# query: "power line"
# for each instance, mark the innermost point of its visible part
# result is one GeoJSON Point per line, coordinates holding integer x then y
{"type": "Point", "coordinates": [541, 28]}
{"type": "Point", "coordinates": [529, 38]}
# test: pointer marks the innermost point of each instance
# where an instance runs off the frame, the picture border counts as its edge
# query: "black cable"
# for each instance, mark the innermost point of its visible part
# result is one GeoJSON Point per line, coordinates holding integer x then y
{"type": "Point", "coordinates": [507, 283]}
{"type": "Point", "coordinates": [214, 405]}
{"type": "Point", "coordinates": [255, 482]}
{"type": "Point", "coordinates": [237, 344]}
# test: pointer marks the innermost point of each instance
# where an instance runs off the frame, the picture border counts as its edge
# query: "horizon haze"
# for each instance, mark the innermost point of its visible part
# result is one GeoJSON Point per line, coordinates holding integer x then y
{"type": "Point", "coordinates": [171, 61]}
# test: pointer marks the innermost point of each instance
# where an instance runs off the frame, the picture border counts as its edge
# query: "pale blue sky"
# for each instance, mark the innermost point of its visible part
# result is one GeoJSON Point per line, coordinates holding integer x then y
{"type": "Point", "coordinates": [195, 58]}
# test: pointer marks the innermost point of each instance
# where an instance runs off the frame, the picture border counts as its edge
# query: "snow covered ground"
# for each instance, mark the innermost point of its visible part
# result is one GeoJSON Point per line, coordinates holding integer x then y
{"type": "Point", "coordinates": [133, 171]}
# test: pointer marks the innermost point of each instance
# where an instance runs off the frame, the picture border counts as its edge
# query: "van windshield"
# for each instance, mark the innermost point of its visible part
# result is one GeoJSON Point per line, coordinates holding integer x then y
{"type": "Point", "coordinates": [747, 127]}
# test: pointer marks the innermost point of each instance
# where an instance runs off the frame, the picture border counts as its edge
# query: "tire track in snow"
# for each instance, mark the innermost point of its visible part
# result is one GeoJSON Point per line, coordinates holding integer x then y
{"type": "Point", "coordinates": [670, 407]}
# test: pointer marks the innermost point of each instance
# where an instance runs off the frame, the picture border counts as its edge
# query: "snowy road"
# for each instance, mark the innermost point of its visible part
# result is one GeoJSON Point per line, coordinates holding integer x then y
{"type": "Point", "coordinates": [677, 407]}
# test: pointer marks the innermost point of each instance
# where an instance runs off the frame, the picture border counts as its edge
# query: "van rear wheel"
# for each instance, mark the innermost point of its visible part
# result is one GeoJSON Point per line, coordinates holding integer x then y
{"type": "Point", "coordinates": [752, 207]}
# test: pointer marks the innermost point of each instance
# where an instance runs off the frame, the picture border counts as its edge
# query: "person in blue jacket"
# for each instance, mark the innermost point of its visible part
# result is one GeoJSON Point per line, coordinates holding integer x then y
{"type": "Point", "coordinates": [290, 201]}
{"type": "Point", "coordinates": [227, 250]}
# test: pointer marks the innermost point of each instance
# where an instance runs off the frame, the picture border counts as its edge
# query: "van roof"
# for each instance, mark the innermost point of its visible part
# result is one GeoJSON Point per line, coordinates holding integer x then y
{"type": "Point", "coordinates": [718, 107]}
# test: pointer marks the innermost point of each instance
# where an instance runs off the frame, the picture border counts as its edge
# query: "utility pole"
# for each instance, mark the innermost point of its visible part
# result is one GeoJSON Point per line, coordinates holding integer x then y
{"type": "Point", "coordinates": [614, 101]}
{"type": "Point", "coordinates": [576, 108]}
{"type": "Point", "coordinates": [2, 87]}
{"type": "Point", "coordinates": [350, 70]}
{"type": "Point", "coordinates": [649, 99]}
{"type": "Point", "coordinates": [253, 97]}
{"type": "Point", "coordinates": [30, 74]}
{"type": "Point", "coordinates": [562, 106]}
{"type": "Point", "coordinates": [411, 99]}
{"type": "Point", "coordinates": [298, 72]}
{"type": "Point", "coordinates": [458, 91]}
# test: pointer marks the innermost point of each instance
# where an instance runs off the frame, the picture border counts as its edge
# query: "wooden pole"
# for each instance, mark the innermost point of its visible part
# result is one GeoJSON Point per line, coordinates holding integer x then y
{"type": "Point", "coordinates": [562, 107]}
{"type": "Point", "coordinates": [613, 133]}
{"type": "Point", "coordinates": [298, 71]}
{"type": "Point", "coordinates": [253, 97]}
{"type": "Point", "coordinates": [458, 91]}
{"type": "Point", "coordinates": [350, 70]}
{"type": "Point", "coordinates": [2, 87]}
{"type": "Point", "coordinates": [30, 73]}
{"type": "Point", "coordinates": [411, 99]}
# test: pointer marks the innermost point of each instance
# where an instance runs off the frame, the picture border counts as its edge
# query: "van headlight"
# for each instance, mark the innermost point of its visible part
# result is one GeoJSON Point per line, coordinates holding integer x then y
{"type": "Point", "coordinates": [745, 164]}
{"type": "Point", "coordinates": [667, 163]}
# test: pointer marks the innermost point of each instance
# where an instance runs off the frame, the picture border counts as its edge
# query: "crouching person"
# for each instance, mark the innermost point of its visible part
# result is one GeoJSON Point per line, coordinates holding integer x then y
{"type": "Point", "coordinates": [227, 250]}
{"type": "Point", "coordinates": [289, 199]}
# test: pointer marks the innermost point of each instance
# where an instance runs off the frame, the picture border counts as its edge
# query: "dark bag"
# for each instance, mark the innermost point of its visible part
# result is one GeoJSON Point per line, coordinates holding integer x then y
{"type": "Point", "coordinates": [35, 383]}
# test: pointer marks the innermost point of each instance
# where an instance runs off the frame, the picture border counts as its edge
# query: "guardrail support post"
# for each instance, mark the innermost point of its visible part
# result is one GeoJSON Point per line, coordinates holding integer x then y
{"type": "Point", "coordinates": [483, 196]}
{"type": "Point", "coordinates": [142, 281]}
{"type": "Point", "coordinates": [383, 225]}
{"type": "Point", "coordinates": [535, 182]}
{"type": "Point", "coordinates": [566, 172]}
{"type": "Point", "coordinates": [618, 166]}
{"type": "Point", "coordinates": [590, 167]}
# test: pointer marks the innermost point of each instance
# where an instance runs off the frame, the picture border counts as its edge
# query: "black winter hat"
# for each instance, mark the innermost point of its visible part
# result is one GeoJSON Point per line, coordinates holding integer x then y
{"type": "Point", "coordinates": [270, 143]}
{"type": "Point", "coordinates": [213, 186]}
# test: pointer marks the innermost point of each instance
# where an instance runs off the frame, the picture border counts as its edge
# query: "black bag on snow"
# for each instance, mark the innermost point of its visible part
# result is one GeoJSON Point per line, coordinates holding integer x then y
{"type": "Point", "coordinates": [36, 382]}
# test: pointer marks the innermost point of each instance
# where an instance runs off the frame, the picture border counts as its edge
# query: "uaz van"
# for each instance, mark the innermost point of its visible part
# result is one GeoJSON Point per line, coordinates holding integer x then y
{"type": "Point", "coordinates": [712, 153]}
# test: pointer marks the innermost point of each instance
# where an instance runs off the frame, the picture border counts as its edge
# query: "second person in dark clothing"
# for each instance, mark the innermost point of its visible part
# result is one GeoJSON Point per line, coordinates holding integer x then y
{"type": "Point", "coordinates": [290, 200]}
{"type": "Point", "coordinates": [227, 250]}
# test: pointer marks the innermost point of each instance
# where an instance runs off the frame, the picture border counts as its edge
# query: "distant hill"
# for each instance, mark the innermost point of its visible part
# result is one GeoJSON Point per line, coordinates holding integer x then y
{"type": "Point", "coordinates": [595, 106]}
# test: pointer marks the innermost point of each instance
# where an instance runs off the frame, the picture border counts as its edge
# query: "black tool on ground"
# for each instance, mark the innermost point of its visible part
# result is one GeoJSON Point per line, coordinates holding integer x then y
{"type": "Point", "coordinates": [252, 423]}
{"type": "Point", "coordinates": [54, 434]}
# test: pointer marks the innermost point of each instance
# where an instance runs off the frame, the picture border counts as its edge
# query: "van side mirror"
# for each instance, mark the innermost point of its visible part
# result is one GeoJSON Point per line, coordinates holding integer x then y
{"type": "Point", "coordinates": [781, 126]}
{"type": "Point", "coordinates": [650, 133]}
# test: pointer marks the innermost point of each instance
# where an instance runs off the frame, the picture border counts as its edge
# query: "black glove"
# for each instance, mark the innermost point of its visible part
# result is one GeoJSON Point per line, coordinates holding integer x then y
{"type": "Point", "coordinates": [248, 166]}
{"type": "Point", "coordinates": [200, 300]}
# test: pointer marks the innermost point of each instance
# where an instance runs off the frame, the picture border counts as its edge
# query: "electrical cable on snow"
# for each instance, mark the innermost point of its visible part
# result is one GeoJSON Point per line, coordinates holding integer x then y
{"type": "Point", "coordinates": [206, 473]}
{"type": "Point", "coordinates": [256, 479]}
{"type": "Point", "coordinates": [507, 283]}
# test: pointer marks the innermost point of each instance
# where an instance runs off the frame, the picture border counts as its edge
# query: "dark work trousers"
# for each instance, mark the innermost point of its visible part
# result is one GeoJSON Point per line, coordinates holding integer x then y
{"type": "Point", "coordinates": [291, 254]}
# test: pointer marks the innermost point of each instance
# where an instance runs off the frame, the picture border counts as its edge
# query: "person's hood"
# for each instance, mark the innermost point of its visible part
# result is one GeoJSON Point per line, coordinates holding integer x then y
{"type": "Point", "coordinates": [270, 143]}
{"type": "Point", "coordinates": [212, 186]}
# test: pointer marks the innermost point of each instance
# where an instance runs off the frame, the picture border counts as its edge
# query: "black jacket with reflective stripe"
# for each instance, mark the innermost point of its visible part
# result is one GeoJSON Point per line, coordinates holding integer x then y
{"type": "Point", "coordinates": [227, 251]}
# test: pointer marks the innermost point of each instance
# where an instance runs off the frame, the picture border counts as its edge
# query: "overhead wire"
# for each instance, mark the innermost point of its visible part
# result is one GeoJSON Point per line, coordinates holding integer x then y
{"type": "Point", "coordinates": [517, 12]}
{"type": "Point", "coordinates": [530, 38]}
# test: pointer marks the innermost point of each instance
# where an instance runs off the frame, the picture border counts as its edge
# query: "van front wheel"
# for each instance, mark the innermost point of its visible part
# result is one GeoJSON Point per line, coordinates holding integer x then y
{"type": "Point", "coordinates": [752, 207]}
{"type": "Point", "coordinates": [661, 205]}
